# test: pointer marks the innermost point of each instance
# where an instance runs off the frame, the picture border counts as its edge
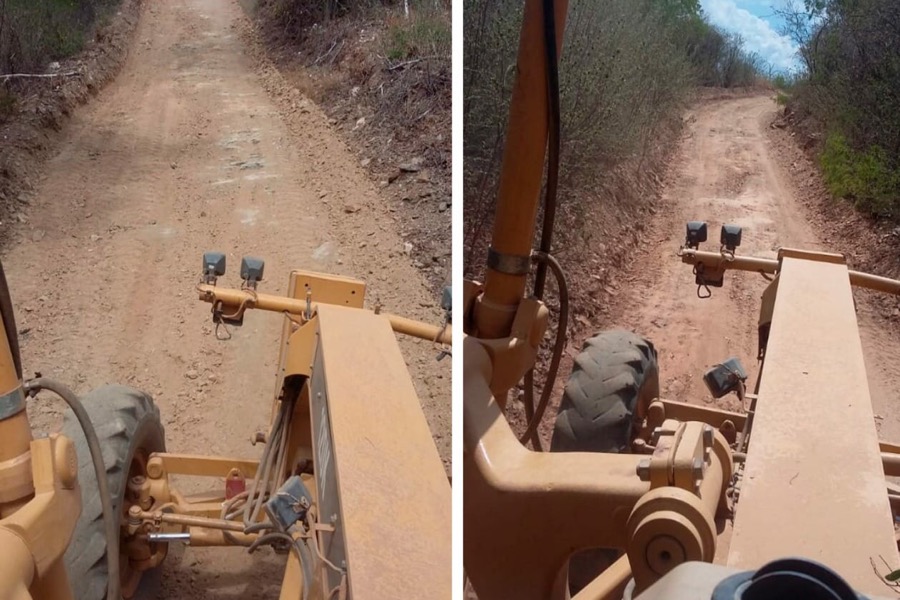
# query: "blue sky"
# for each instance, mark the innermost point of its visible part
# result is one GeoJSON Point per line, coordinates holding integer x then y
{"type": "Point", "coordinates": [755, 22]}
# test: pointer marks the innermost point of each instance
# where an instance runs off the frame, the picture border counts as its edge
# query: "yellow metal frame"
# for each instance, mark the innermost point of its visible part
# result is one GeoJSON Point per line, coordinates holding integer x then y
{"type": "Point", "coordinates": [525, 513]}
{"type": "Point", "coordinates": [40, 500]}
{"type": "Point", "coordinates": [393, 516]}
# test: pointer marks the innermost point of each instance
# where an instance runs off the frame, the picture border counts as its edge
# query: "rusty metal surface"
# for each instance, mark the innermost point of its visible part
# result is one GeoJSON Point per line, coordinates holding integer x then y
{"type": "Point", "coordinates": [813, 483]}
{"type": "Point", "coordinates": [394, 493]}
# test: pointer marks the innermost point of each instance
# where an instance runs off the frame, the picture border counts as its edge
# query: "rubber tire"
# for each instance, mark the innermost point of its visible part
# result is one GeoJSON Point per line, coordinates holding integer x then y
{"type": "Point", "coordinates": [126, 421]}
{"type": "Point", "coordinates": [615, 373]}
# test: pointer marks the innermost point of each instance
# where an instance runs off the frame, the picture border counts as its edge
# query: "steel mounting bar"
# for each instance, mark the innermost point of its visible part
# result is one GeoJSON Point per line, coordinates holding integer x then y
{"type": "Point", "coordinates": [233, 298]}
{"type": "Point", "coordinates": [714, 260]}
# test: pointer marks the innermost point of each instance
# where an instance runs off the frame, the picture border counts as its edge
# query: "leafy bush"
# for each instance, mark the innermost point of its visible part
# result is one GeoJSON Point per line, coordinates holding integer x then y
{"type": "Point", "coordinates": [423, 34]}
{"type": "Point", "coordinates": [866, 177]}
{"type": "Point", "coordinates": [850, 87]}
{"type": "Point", "coordinates": [33, 32]}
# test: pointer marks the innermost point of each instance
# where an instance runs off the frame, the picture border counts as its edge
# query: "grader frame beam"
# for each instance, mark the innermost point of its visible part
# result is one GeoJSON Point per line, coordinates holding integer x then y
{"type": "Point", "coordinates": [364, 451]}
{"type": "Point", "coordinates": [829, 504]}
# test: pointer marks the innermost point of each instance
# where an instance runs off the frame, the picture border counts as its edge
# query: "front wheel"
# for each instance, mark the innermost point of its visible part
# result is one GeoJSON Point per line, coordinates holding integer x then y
{"type": "Point", "coordinates": [614, 376]}
{"type": "Point", "coordinates": [129, 428]}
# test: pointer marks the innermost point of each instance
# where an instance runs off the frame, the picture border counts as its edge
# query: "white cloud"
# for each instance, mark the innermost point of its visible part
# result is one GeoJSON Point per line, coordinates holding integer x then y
{"type": "Point", "coordinates": [758, 34]}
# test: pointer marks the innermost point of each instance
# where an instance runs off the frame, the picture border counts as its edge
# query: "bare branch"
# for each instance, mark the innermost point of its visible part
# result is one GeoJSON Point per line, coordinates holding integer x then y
{"type": "Point", "coordinates": [37, 75]}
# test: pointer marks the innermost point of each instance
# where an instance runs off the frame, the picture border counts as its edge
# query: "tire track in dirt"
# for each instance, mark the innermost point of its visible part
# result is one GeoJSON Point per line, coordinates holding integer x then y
{"type": "Point", "coordinates": [196, 146]}
{"type": "Point", "coordinates": [726, 171]}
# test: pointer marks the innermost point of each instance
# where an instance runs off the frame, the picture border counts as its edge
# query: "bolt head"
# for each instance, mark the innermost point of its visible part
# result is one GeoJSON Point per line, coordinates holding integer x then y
{"type": "Point", "coordinates": [643, 470]}
{"type": "Point", "coordinates": [708, 436]}
{"type": "Point", "coordinates": [698, 467]}
{"type": "Point", "coordinates": [155, 469]}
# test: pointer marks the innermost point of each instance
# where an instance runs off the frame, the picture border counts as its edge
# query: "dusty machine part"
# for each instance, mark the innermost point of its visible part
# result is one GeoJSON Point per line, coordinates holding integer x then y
{"type": "Point", "coordinates": [808, 396]}
{"type": "Point", "coordinates": [613, 381]}
{"type": "Point", "coordinates": [342, 537]}
{"type": "Point", "coordinates": [327, 337]}
{"type": "Point", "coordinates": [526, 512]}
{"type": "Point", "coordinates": [41, 497]}
{"type": "Point", "coordinates": [16, 486]}
{"type": "Point", "coordinates": [507, 485]}
{"type": "Point", "coordinates": [130, 430]}
{"type": "Point", "coordinates": [239, 301]}
{"type": "Point", "coordinates": [520, 177]}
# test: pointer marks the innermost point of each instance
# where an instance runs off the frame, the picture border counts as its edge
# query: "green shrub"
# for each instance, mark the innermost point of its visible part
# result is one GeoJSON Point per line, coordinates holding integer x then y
{"type": "Point", "coordinates": [423, 34]}
{"type": "Point", "coordinates": [867, 178]}
{"type": "Point", "coordinates": [33, 32]}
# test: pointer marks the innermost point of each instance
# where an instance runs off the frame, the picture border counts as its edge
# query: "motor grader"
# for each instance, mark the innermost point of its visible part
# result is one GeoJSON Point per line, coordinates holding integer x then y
{"type": "Point", "coordinates": [348, 485]}
{"type": "Point", "coordinates": [654, 498]}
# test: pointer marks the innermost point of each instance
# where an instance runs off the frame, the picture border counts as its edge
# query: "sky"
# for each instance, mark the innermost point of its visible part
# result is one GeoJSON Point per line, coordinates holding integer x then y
{"type": "Point", "coordinates": [756, 22]}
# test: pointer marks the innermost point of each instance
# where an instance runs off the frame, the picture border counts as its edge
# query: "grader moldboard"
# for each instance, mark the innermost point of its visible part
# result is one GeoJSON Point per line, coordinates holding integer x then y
{"type": "Point", "coordinates": [349, 484]}
{"type": "Point", "coordinates": [636, 492]}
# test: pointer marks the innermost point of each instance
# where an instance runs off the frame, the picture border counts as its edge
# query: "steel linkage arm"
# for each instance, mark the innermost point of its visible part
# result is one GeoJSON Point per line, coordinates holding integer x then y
{"type": "Point", "coordinates": [527, 512]}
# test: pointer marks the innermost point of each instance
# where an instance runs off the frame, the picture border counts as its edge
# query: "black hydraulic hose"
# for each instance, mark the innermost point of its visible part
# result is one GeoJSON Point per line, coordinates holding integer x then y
{"type": "Point", "coordinates": [553, 143]}
{"type": "Point", "coordinates": [534, 416]}
{"type": "Point", "coordinates": [304, 555]}
{"type": "Point", "coordinates": [9, 322]}
{"type": "Point", "coordinates": [112, 534]}
{"type": "Point", "coordinates": [558, 347]}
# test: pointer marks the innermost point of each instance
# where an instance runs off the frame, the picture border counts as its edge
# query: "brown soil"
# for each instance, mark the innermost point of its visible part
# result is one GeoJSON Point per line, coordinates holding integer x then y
{"type": "Point", "coordinates": [199, 144]}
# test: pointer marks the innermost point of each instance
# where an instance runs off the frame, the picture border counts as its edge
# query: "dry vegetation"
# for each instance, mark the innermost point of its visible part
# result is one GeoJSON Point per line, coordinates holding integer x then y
{"type": "Point", "coordinates": [627, 71]}
{"type": "Point", "coordinates": [381, 71]}
{"type": "Point", "coordinates": [34, 33]}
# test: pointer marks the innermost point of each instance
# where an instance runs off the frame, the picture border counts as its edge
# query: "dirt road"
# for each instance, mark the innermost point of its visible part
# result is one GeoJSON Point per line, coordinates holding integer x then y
{"type": "Point", "coordinates": [728, 171]}
{"type": "Point", "coordinates": [198, 145]}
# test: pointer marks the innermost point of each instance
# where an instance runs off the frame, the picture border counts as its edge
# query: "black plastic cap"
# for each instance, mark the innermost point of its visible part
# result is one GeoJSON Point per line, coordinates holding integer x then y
{"type": "Point", "coordinates": [252, 268]}
{"type": "Point", "coordinates": [213, 263]}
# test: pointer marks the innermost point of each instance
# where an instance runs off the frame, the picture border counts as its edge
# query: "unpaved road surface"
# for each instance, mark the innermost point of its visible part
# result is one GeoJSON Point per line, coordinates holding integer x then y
{"type": "Point", "coordinates": [199, 145]}
{"type": "Point", "coordinates": [728, 171]}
